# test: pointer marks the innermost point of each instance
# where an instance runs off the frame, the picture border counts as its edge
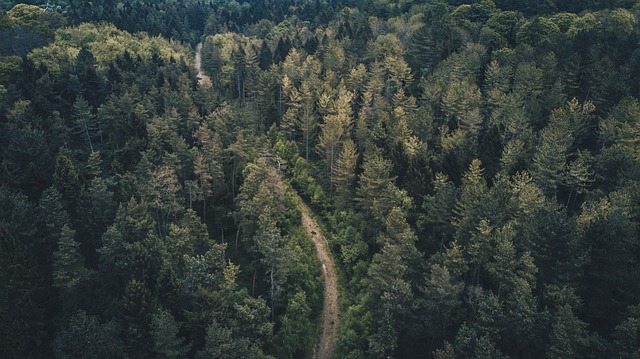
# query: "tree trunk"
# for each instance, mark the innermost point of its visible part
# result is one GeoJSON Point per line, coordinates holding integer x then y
{"type": "Point", "coordinates": [237, 236]}
{"type": "Point", "coordinates": [253, 287]}
{"type": "Point", "coordinates": [273, 290]}
{"type": "Point", "coordinates": [204, 209]}
{"type": "Point", "coordinates": [86, 131]}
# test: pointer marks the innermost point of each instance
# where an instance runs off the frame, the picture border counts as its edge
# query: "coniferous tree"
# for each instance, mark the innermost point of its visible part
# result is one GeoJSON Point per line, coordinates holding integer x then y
{"type": "Point", "coordinates": [345, 174]}
{"type": "Point", "coordinates": [532, 250]}
{"type": "Point", "coordinates": [136, 320]}
{"type": "Point", "coordinates": [85, 337]}
{"type": "Point", "coordinates": [389, 281]}
{"type": "Point", "coordinates": [83, 120]}
{"type": "Point", "coordinates": [164, 330]}
{"type": "Point", "coordinates": [69, 271]}
{"type": "Point", "coordinates": [308, 121]}
{"type": "Point", "coordinates": [21, 285]}
{"type": "Point", "coordinates": [66, 180]}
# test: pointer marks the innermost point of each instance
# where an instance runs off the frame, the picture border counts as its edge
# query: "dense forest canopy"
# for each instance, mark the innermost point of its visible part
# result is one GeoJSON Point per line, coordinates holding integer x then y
{"type": "Point", "coordinates": [474, 166]}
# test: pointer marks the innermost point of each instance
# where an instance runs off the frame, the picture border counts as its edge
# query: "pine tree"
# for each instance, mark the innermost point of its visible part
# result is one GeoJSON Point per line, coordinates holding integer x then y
{"type": "Point", "coordinates": [568, 336]}
{"type": "Point", "coordinates": [205, 180]}
{"type": "Point", "coordinates": [440, 298]}
{"type": "Point", "coordinates": [389, 282]}
{"type": "Point", "coordinates": [222, 343]}
{"type": "Point", "coordinates": [85, 338]}
{"type": "Point", "coordinates": [626, 334]}
{"type": "Point", "coordinates": [334, 131]}
{"type": "Point", "coordinates": [66, 181]}
{"type": "Point", "coordinates": [137, 305]}
{"type": "Point", "coordinates": [253, 71]}
{"type": "Point", "coordinates": [68, 268]}
{"type": "Point", "coordinates": [21, 283]}
{"type": "Point", "coordinates": [83, 119]}
{"type": "Point", "coordinates": [53, 212]}
{"type": "Point", "coordinates": [345, 174]}
{"type": "Point", "coordinates": [297, 330]}
{"type": "Point", "coordinates": [377, 193]}
{"type": "Point", "coordinates": [435, 223]}
{"type": "Point", "coordinates": [270, 244]}
{"type": "Point", "coordinates": [266, 57]}
{"type": "Point", "coordinates": [308, 121]}
{"type": "Point", "coordinates": [94, 164]}
{"type": "Point", "coordinates": [164, 331]}
{"type": "Point", "coordinates": [293, 100]}
{"type": "Point", "coordinates": [468, 208]}
{"type": "Point", "coordinates": [551, 155]}
{"type": "Point", "coordinates": [165, 197]}
{"type": "Point", "coordinates": [399, 75]}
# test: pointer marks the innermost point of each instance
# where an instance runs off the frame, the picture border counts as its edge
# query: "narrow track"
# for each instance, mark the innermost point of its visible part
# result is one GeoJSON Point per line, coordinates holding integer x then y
{"type": "Point", "coordinates": [202, 78]}
{"type": "Point", "coordinates": [330, 310]}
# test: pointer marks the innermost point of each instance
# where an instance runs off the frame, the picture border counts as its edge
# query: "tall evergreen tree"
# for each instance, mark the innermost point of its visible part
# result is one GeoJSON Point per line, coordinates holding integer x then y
{"type": "Point", "coordinates": [68, 268]}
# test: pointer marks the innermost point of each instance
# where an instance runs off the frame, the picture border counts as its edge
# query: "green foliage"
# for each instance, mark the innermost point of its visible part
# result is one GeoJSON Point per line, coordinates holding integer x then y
{"type": "Point", "coordinates": [608, 248]}
{"type": "Point", "coordinates": [377, 193]}
{"type": "Point", "coordinates": [441, 298]}
{"type": "Point", "coordinates": [66, 180]}
{"type": "Point", "coordinates": [568, 335]}
{"type": "Point", "coordinates": [222, 344]}
{"type": "Point", "coordinates": [388, 280]}
{"type": "Point", "coordinates": [68, 266]}
{"type": "Point", "coordinates": [164, 330]}
{"type": "Point", "coordinates": [626, 334]}
{"type": "Point", "coordinates": [476, 165]}
{"type": "Point", "coordinates": [537, 30]}
{"type": "Point", "coordinates": [86, 337]}
{"type": "Point", "coordinates": [106, 43]}
{"type": "Point", "coordinates": [21, 287]}
{"type": "Point", "coordinates": [28, 27]}
{"type": "Point", "coordinates": [296, 334]}
{"type": "Point", "coordinates": [27, 160]}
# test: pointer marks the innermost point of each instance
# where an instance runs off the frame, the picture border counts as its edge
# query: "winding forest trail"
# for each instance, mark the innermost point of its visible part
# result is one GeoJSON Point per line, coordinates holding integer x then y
{"type": "Point", "coordinates": [202, 78]}
{"type": "Point", "coordinates": [330, 310]}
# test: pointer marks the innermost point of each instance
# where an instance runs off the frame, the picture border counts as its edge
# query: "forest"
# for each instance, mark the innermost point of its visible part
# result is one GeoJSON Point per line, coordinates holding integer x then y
{"type": "Point", "coordinates": [473, 167]}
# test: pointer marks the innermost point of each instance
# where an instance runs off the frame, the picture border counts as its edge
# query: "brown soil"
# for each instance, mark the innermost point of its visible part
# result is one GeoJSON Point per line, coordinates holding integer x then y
{"type": "Point", "coordinates": [330, 311]}
{"type": "Point", "coordinates": [202, 78]}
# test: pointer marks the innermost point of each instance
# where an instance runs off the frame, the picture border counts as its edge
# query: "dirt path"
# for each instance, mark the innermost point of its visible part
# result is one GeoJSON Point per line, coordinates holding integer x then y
{"type": "Point", "coordinates": [330, 311]}
{"type": "Point", "coordinates": [202, 78]}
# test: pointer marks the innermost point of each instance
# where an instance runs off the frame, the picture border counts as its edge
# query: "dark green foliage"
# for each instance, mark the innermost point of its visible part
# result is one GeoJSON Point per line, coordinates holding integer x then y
{"type": "Point", "coordinates": [435, 222]}
{"type": "Point", "coordinates": [568, 337]}
{"type": "Point", "coordinates": [389, 284]}
{"type": "Point", "coordinates": [611, 268]}
{"type": "Point", "coordinates": [222, 344]}
{"type": "Point", "coordinates": [27, 161]}
{"type": "Point", "coordinates": [66, 180]}
{"type": "Point", "coordinates": [558, 252]}
{"type": "Point", "coordinates": [296, 333]}
{"type": "Point", "coordinates": [69, 272]}
{"type": "Point", "coordinates": [164, 330]}
{"type": "Point", "coordinates": [22, 290]}
{"type": "Point", "coordinates": [85, 337]}
{"type": "Point", "coordinates": [52, 211]}
{"type": "Point", "coordinates": [626, 335]}
{"type": "Point", "coordinates": [137, 307]}
{"type": "Point", "coordinates": [476, 165]}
